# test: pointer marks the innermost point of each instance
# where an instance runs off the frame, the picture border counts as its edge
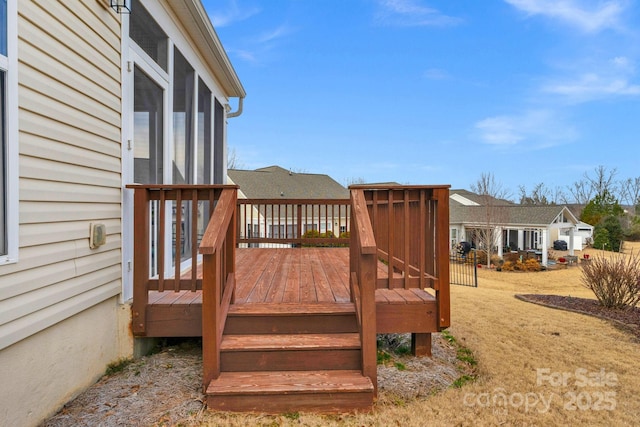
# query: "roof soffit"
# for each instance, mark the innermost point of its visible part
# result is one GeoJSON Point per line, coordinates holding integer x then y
{"type": "Point", "coordinates": [196, 21]}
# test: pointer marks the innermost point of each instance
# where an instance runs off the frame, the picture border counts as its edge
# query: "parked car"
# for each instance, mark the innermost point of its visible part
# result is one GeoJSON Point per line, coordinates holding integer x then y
{"type": "Point", "coordinates": [560, 245]}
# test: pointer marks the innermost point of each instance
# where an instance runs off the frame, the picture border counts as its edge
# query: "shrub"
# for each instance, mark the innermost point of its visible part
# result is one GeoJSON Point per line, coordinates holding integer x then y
{"type": "Point", "coordinates": [481, 257]}
{"type": "Point", "coordinates": [633, 234]}
{"type": "Point", "coordinates": [496, 260]}
{"type": "Point", "coordinates": [600, 238]}
{"type": "Point", "coordinates": [532, 264]}
{"type": "Point", "coordinates": [615, 281]}
{"type": "Point", "coordinates": [508, 266]}
{"type": "Point", "coordinates": [311, 234]}
{"type": "Point", "coordinates": [512, 257]}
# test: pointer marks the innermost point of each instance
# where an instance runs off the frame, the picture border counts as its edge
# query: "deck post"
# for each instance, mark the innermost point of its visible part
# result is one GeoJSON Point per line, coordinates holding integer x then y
{"type": "Point", "coordinates": [140, 263]}
{"type": "Point", "coordinates": [210, 303]}
{"type": "Point", "coordinates": [368, 270]}
{"type": "Point", "coordinates": [442, 257]}
{"type": "Point", "coordinates": [421, 344]}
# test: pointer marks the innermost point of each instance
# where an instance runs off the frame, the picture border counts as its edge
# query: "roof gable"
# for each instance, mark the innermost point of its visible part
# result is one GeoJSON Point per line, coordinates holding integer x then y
{"type": "Point", "coordinates": [274, 182]}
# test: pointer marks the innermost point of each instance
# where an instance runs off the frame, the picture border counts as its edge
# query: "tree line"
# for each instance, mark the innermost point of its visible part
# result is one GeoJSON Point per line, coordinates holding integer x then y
{"type": "Point", "coordinates": [609, 204]}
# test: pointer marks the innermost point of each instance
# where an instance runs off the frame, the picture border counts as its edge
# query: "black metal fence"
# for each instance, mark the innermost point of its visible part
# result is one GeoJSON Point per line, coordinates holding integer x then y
{"type": "Point", "coordinates": [463, 268]}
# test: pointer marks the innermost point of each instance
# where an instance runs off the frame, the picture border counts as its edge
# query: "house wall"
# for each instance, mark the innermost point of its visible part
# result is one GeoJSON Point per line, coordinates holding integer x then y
{"type": "Point", "coordinates": [43, 372]}
{"type": "Point", "coordinates": [59, 313]}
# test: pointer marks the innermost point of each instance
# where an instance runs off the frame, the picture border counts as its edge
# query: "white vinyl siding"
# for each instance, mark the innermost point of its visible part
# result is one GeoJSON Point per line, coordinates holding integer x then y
{"type": "Point", "coordinates": [69, 95]}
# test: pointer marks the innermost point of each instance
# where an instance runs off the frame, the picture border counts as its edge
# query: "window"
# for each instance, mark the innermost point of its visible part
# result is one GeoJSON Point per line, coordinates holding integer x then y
{"type": "Point", "coordinates": [8, 133]}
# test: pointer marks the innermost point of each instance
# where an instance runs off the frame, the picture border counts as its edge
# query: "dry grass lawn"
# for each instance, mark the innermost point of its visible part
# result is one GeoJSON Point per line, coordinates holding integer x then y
{"type": "Point", "coordinates": [537, 366]}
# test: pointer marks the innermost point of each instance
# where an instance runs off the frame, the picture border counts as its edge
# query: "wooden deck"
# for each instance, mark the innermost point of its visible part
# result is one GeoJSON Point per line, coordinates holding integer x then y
{"type": "Point", "coordinates": [291, 277]}
{"type": "Point", "coordinates": [291, 329]}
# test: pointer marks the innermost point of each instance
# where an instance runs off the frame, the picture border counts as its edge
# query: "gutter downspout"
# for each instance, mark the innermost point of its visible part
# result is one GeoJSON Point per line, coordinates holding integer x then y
{"type": "Point", "coordinates": [238, 111]}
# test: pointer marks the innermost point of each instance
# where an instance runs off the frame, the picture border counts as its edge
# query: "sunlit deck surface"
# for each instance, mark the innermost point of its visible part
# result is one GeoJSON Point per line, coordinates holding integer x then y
{"type": "Point", "coordinates": [283, 275]}
{"type": "Point", "coordinates": [280, 275]}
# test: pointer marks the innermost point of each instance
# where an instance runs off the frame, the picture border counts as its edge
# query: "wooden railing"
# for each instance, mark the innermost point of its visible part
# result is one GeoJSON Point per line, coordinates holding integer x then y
{"type": "Point", "coordinates": [218, 248]}
{"type": "Point", "coordinates": [363, 270]}
{"type": "Point", "coordinates": [160, 254]}
{"type": "Point", "coordinates": [293, 222]}
{"type": "Point", "coordinates": [411, 229]}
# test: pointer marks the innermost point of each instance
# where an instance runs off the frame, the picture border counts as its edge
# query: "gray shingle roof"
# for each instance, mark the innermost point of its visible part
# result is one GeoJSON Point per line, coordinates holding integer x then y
{"type": "Point", "coordinates": [476, 198]}
{"type": "Point", "coordinates": [504, 213]}
{"type": "Point", "coordinates": [274, 182]}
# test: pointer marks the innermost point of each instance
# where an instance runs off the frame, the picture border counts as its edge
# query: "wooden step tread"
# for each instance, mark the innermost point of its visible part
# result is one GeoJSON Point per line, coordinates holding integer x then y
{"type": "Point", "coordinates": [290, 342]}
{"type": "Point", "coordinates": [404, 296]}
{"type": "Point", "coordinates": [284, 309]}
{"type": "Point", "coordinates": [289, 382]}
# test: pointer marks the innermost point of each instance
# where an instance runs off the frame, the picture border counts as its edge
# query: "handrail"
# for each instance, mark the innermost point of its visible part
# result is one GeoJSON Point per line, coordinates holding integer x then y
{"type": "Point", "coordinates": [218, 280]}
{"type": "Point", "coordinates": [411, 228]}
{"type": "Point", "coordinates": [293, 222]}
{"type": "Point", "coordinates": [155, 209]}
{"type": "Point", "coordinates": [363, 267]}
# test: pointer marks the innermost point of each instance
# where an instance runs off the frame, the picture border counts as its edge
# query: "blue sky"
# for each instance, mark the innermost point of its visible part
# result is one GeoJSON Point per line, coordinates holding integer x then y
{"type": "Point", "coordinates": [436, 92]}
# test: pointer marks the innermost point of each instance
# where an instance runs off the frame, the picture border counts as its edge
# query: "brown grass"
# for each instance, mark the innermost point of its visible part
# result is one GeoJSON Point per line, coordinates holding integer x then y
{"type": "Point", "coordinates": [512, 341]}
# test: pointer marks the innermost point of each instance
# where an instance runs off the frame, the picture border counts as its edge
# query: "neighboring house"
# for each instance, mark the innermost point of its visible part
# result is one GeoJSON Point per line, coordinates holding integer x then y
{"type": "Point", "coordinates": [519, 227]}
{"type": "Point", "coordinates": [92, 100]}
{"type": "Point", "coordinates": [276, 183]}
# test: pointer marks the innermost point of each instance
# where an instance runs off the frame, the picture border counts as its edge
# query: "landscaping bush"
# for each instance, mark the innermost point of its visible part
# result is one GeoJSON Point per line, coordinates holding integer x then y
{"type": "Point", "coordinates": [633, 234]}
{"type": "Point", "coordinates": [615, 281]}
{"type": "Point", "coordinates": [512, 257]}
{"type": "Point", "coordinates": [532, 264]}
{"type": "Point", "coordinates": [508, 266]}
{"type": "Point", "coordinates": [481, 257]}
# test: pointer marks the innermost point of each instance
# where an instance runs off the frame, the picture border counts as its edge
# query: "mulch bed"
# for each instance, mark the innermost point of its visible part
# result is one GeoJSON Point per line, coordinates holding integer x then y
{"type": "Point", "coordinates": [627, 319]}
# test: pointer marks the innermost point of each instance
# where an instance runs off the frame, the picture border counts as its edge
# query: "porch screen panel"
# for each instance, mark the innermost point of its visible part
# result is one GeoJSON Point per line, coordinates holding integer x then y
{"type": "Point", "coordinates": [147, 34]}
{"type": "Point", "coordinates": [3, 202]}
{"type": "Point", "coordinates": [204, 135]}
{"type": "Point", "coordinates": [218, 144]}
{"type": "Point", "coordinates": [183, 96]}
{"type": "Point", "coordinates": [183, 143]}
{"type": "Point", "coordinates": [148, 130]}
{"type": "Point", "coordinates": [204, 151]}
{"type": "Point", "coordinates": [148, 139]}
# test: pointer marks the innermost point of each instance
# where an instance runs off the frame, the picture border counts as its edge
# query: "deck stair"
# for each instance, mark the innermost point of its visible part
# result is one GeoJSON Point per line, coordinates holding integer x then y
{"type": "Point", "coordinates": [289, 357]}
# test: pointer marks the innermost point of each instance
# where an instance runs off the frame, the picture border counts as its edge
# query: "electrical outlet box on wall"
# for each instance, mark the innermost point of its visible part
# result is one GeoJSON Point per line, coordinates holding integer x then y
{"type": "Point", "coordinates": [97, 235]}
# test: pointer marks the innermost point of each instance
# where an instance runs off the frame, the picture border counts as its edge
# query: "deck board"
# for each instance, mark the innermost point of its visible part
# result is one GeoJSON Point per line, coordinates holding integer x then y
{"type": "Point", "coordinates": [281, 275]}
{"type": "Point", "coordinates": [290, 277]}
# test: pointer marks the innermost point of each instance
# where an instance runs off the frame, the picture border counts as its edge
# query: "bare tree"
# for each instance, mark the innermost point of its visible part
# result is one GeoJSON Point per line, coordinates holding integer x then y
{"type": "Point", "coordinates": [493, 208]}
{"type": "Point", "coordinates": [559, 196]}
{"type": "Point", "coordinates": [602, 181]}
{"type": "Point", "coordinates": [630, 192]}
{"type": "Point", "coordinates": [581, 191]}
{"type": "Point", "coordinates": [233, 162]}
{"type": "Point", "coordinates": [540, 195]}
{"type": "Point", "coordinates": [354, 181]}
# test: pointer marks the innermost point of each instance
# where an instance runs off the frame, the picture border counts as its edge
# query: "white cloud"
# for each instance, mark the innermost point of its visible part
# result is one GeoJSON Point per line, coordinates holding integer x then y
{"type": "Point", "coordinates": [233, 13]}
{"type": "Point", "coordinates": [274, 34]}
{"type": "Point", "coordinates": [436, 74]}
{"type": "Point", "coordinates": [532, 129]}
{"type": "Point", "coordinates": [591, 86]}
{"type": "Point", "coordinates": [604, 15]}
{"type": "Point", "coordinates": [411, 13]}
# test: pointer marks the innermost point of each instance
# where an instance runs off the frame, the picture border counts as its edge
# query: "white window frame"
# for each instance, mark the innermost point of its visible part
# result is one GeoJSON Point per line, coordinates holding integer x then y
{"type": "Point", "coordinates": [9, 65]}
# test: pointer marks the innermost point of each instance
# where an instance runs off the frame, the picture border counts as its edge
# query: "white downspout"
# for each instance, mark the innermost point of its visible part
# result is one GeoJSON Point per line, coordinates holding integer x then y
{"type": "Point", "coordinates": [238, 111]}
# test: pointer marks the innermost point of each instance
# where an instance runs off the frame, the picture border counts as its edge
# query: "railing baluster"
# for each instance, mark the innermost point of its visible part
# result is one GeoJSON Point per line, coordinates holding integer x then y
{"type": "Point", "coordinates": [160, 236]}
{"type": "Point", "coordinates": [178, 241]}
{"type": "Point", "coordinates": [194, 238]}
{"type": "Point", "coordinates": [425, 240]}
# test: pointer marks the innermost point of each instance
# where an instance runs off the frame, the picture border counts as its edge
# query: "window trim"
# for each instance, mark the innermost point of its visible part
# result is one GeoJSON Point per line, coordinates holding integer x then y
{"type": "Point", "coordinates": [10, 66]}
